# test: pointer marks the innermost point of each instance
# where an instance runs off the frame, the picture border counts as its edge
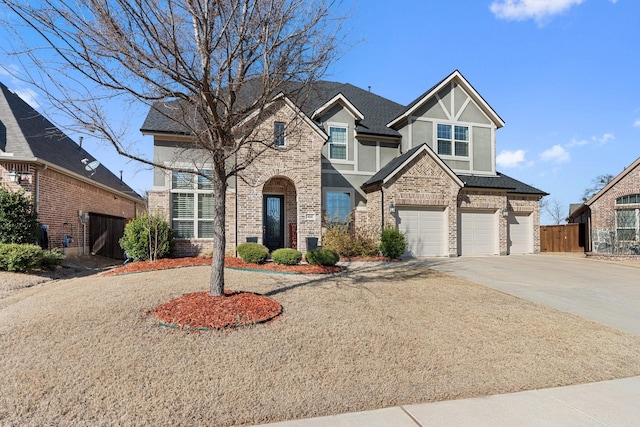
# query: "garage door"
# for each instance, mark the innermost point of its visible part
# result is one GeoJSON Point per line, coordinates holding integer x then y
{"type": "Point", "coordinates": [424, 229]}
{"type": "Point", "coordinates": [478, 233]}
{"type": "Point", "coordinates": [520, 234]}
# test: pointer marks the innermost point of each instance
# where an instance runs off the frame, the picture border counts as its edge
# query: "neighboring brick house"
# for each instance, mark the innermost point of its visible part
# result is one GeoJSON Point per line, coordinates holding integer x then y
{"type": "Point", "coordinates": [427, 168]}
{"type": "Point", "coordinates": [612, 215]}
{"type": "Point", "coordinates": [82, 203]}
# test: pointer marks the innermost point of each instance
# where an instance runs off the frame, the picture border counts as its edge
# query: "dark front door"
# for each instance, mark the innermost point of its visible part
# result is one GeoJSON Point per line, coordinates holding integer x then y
{"type": "Point", "coordinates": [273, 221]}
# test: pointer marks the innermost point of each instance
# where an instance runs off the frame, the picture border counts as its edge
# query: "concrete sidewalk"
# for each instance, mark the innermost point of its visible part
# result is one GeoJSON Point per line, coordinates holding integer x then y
{"type": "Point", "coordinates": [607, 403]}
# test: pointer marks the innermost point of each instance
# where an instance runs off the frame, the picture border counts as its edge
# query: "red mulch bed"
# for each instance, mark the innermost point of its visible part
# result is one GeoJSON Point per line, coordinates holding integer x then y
{"type": "Point", "coordinates": [166, 263]}
{"type": "Point", "coordinates": [201, 311]}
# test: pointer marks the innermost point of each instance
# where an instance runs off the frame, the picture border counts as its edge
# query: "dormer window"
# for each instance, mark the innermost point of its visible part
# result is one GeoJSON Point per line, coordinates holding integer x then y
{"type": "Point", "coordinates": [337, 143]}
{"type": "Point", "coordinates": [453, 140]}
{"type": "Point", "coordinates": [278, 134]}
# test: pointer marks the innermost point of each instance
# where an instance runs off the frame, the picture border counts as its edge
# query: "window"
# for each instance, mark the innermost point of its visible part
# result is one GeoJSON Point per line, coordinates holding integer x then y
{"type": "Point", "coordinates": [191, 205]}
{"type": "Point", "coordinates": [454, 143]}
{"type": "Point", "coordinates": [278, 134]}
{"type": "Point", "coordinates": [338, 206]}
{"type": "Point", "coordinates": [628, 200]}
{"type": "Point", "coordinates": [627, 224]}
{"type": "Point", "coordinates": [338, 143]}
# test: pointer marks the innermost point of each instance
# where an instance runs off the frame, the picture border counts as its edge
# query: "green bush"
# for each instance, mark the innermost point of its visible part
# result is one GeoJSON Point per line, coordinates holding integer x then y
{"type": "Point", "coordinates": [19, 257]}
{"type": "Point", "coordinates": [51, 259]}
{"type": "Point", "coordinates": [392, 243]}
{"type": "Point", "coordinates": [350, 243]}
{"type": "Point", "coordinates": [147, 237]}
{"type": "Point", "coordinates": [286, 256]}
{"type": "Point", "coordinates": [18, 218]}
{"type": "Point", "coordinates": [322, 256]}
{"type": "Point", "coordinates": [254, 253]}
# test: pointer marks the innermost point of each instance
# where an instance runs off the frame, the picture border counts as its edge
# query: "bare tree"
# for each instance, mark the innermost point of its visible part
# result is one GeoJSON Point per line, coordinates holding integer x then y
{"type": "Point", "coordinates": [211, 67]}
{"type": "Point", "coordinates": [597, 184]}
{"type": "Point", "coordinates": [555, 209]}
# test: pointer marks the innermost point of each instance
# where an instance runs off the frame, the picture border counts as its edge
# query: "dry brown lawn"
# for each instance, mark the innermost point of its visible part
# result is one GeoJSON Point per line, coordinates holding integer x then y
{"type": "Point", "coordinates": [83, 351]}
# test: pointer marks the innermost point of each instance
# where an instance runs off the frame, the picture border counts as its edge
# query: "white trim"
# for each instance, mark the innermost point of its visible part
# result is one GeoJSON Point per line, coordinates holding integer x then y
{"type": "Point", "coordinates": [466, 86]}
{"type": "Point", "coordinates": [339, 98]}
{"type": "Point", "coordinates": [338, 125]}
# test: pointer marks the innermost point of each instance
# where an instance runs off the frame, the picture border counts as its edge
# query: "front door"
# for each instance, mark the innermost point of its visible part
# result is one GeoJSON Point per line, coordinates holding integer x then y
{"type": "Point", "coordinates": [273, 221]}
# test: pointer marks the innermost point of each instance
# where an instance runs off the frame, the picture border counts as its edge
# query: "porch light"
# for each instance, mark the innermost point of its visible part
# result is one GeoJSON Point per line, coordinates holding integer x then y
{"type": "Point", "coordinates": [392, 209]}
{"type": "Point", "coordinates": [13, 176]}
{"type": "Point", "coordinates": [505, 212]}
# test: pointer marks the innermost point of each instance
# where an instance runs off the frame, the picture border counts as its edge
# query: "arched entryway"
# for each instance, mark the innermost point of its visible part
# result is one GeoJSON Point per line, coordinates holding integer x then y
{"type": "Point", "coordinates": [279, 213]}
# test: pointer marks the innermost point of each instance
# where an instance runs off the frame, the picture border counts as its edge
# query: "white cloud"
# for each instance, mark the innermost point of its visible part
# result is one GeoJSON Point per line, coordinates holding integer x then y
{"type": "Point", "coordinates": [604, 138]}
{"type": "Point", "coordinates": [637, 123]}
{"type": "Point", "coordinates": [577, 142]}
{"type": "Point", "coordinates": [28, 96]}
{"type": "Point", "coordinates": [520, 10]}
{"type": "Point", "coordinates": [555, 154]}
{"type": "Point", "coordinates": [11, 72]}
{"type": "Point", "coordinates": [510, 159]}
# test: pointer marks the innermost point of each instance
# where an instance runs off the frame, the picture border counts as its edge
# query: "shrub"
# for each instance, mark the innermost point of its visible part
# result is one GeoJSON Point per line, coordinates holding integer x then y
{"type": "Point", "coordinates": [322, 256]}
{"type": "Point", "coordinates": [147, 237]}
{"type": "Point", "coordinates": [254, 253]}
{"type": "Point", "coordinates": [19, 257]}
{"type": "Point", "coordinates": [286, 256]}
{"type": "Point", "coordinates": [51, 259]}
{"type": "Point", "coordinates": [350, 243]}
{"type": "Point", "coordinates": [392, 242]}
{"type": "Point", "coordinates": [18, 218]}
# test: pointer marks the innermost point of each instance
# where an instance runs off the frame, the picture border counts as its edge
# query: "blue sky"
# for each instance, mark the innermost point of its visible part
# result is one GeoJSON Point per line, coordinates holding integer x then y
{"type": "Point", "coordinates": [561, 74]}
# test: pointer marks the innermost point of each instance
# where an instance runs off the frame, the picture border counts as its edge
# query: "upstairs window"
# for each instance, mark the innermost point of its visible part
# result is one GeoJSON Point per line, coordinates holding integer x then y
{"type": "Point", "coordinates": [337, 143]}
{"type": "Point", "coordinates": [453, 140]}
{"type": "Point", "coordinates": [278, 134]}
{"type": "Point", "coordinates": [191, 206]}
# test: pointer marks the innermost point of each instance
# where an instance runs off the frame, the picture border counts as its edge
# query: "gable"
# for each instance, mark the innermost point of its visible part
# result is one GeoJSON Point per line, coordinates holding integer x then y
{"type": "Point", "coordinates": [453, 87]}
{"type": "Point", "coordinates": [627, 182]}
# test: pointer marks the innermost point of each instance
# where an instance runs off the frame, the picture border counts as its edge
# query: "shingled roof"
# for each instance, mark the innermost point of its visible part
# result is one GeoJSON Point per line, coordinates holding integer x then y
{"type": "Point", "coordinates": [499, 181]}
{"type": "Point", "coordinates": [30, 137]}
{"type": "Point", "coordinates": [166, 117]}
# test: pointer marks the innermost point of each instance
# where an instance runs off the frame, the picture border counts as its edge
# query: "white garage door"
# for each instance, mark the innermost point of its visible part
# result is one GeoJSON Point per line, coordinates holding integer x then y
{"type": "Point", "coordinates": [424, 229]}
{"type": "Point", "coordinates": [478, 233]}
{"type": "Point", "coordinates": [520, 234]}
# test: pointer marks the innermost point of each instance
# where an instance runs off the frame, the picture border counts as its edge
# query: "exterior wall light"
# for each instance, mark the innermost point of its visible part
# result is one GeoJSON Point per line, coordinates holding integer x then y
{"type": "Point", "coordinates": [505, 212]}
{"type": "Point", "coordinates": [392, 209]}
{"type": "Point", "coordinates": [13, 176]}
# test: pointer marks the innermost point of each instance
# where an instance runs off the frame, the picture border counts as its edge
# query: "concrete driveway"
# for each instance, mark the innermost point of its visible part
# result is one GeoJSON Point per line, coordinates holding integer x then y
{"type": "Point", "coordinates": [604, 292]}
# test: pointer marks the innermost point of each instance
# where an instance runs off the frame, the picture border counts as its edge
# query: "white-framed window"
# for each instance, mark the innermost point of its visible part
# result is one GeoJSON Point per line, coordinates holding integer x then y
{"type": "Point", "coordinates": [278, 134]}
{"type": "Point", "coordinates": [338, 143]}
{"type": "Point", "coordinates": [338, 204]}
{"type": "Point", "coordinates": [191, 206]}
{"type": "Point", "coordinates": [628, 225]}
{"type": "Point", "coordinates": [453, 140]}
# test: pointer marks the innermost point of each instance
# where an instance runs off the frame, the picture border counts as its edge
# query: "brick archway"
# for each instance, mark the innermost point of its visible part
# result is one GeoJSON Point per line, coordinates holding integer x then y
{"type": "Point", "coordinates": [283, 186]}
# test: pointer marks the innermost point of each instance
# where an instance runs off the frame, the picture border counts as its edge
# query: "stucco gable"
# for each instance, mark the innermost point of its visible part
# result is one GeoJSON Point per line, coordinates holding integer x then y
{"type": "Point", "coordinates": [442, 88]}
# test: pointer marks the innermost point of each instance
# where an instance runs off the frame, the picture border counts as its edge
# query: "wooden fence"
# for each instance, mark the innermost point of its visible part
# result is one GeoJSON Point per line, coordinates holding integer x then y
{"type": "Point", "coordinates": [563, 238]}
{"type": "Point", "coordinates": [105, 232]}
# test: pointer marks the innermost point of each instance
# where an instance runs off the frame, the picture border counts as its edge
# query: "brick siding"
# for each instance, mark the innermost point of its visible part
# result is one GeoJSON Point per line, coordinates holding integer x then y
{"type": "Point", "coordinates": [61, 197]}
{"type": "Point", "coordinates": [603, 213]}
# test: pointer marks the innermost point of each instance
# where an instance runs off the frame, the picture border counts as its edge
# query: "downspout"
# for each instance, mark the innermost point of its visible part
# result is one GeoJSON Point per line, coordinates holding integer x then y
{"type": "Point", "coordinates": [235, 221]}
{"type": "Point", "coordinates": [382, 208]}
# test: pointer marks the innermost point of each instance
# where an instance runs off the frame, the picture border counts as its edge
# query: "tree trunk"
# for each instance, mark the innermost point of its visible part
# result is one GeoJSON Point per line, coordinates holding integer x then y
{"type": "Point", "coordinates": [216, 286]}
